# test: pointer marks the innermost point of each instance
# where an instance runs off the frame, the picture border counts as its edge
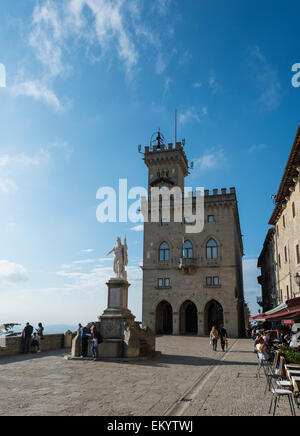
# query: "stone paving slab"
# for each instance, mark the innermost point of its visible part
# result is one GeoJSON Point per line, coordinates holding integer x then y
{"type": "Point", "coordinates": [47, 384]}
{"type": "Point", "coordinates": [234, 390]}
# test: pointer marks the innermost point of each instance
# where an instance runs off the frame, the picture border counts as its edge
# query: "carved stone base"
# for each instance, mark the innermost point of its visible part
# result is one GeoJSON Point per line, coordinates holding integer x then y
{"type": "Point", "coordinates": [117, 315]}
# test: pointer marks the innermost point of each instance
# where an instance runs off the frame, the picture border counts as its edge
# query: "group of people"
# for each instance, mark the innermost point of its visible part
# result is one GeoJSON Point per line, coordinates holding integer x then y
{"type": "Point", "coordinates": [86, 333]}
{"type": "Point", "coordinates": [31, 339]}
{"type": "Point", "coordinates": [263, 341]}
{"type": "Point", "coordinates": [217, 334]}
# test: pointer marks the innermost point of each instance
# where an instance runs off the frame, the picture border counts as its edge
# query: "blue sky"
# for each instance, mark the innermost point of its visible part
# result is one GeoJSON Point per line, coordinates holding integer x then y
{"type": "Point", "coordinates": [89, 80]}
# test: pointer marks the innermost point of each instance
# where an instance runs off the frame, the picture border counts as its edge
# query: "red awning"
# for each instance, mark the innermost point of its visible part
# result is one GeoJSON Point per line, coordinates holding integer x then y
{"type": "Point", "coordinates": [278, 317]}
{"type": "Point", "coordinates": [257, 317]}
{"type": "Point", "coordinates": [294, 302]}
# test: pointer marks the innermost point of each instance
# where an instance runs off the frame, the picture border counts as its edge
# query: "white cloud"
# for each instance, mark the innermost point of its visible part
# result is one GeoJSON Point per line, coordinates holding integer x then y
{"type": "Point", "coordinates": [12, 225]}
{"type": "Point", "coordinates": [46, 35]}
{"type": "Point", "coordinates": [258, 147]}
{"type": "Point", "coordinates": [108, 27]}
{"type": "Point", "coordinates": [266, 79]}
{"type": "Point", "coordinates": [23, 160]}
{"type": "Point", "coordinates": [192, 114]}
{"type": "Point", "coordinates": [168, 82]}
{"type": "Point", "coordinates": [197, 85]}
{"type": "Point", "coordinates": [12, 273]}
{"type": "Point", "coordinates": [91, 281]}
{"type": "Point", "coordinates": [161, 6]}
{"type": "Point", "coordinates": [7, 186]}
{"type": "Point", "coordinates": [116, 27]}
{"type": "Point", "coordinates": [2, 76]}
{"type": "Point", "coordinates": [84, 261]}
{"type": "Point", "coordinates": [161, 64]}
{"type": "Point", "coordinates": [63, 146]}
{"type": "Point", "coordinates": [213, 83]}
{"type": "Point", "coordinates": [11, 163]}
{"type": "Point", "coordinates": [139, 228]}
{"type": "Point", "coordinates": [38, 91]}
{"type": "Point", "coordinates": [87, 250]}
{"type": "Point", "coordinates": [214, 158]}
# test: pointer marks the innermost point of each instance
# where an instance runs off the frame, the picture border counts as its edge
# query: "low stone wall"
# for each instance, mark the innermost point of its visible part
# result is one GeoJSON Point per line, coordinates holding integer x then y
{"type": "Point", "coordinates": [14, 344]}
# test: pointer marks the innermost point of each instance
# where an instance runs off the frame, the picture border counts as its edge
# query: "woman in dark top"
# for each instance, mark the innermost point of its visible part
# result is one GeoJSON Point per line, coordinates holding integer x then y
{"type": "Point", "coordinates": [40, 331]}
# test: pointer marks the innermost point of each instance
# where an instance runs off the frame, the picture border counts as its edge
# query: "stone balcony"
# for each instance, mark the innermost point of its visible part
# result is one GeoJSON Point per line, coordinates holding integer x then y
{"type": "Point", "coordinates": [187, 265]}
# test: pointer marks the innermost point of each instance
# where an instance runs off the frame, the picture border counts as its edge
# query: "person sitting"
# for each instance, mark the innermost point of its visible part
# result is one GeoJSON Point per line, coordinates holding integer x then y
{"type": "Point", "coordinates": [263, 350]}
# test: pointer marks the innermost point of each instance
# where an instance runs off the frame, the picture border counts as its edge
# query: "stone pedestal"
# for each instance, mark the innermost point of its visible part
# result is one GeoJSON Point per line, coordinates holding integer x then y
{"type": "Point", "coordinates": [122, 336]}
{"type": "Point", "coordinates": [116, 317]}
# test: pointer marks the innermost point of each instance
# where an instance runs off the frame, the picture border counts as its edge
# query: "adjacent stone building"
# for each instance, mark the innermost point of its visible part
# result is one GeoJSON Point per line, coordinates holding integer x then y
{"type": "Point", "coordinates": [191, 281]}
{"type": "Point", "coordinates": [280, 257]}
{"type": "Point", "coordinates": [268, 278]}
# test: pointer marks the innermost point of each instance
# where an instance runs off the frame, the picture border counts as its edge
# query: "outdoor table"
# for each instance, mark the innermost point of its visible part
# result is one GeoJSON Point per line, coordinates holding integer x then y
{"type": "Point", "coordinates": [292, 367]}
{"type": "Point", "coordinates": [296, 384]}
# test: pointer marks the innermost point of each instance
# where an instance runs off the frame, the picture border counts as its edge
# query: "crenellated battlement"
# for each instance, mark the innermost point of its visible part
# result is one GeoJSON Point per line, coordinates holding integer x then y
{"type": "Point", "coordinates": [220, 193]}
{"type": "Point", "coordinates": [164, 148]}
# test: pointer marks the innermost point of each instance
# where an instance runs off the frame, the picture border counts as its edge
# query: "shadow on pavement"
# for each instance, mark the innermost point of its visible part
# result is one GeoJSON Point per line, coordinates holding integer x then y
{"type": "Point", "coordinates": [169, 359]}
{"type": "Point", "coordinates": [33, 356]}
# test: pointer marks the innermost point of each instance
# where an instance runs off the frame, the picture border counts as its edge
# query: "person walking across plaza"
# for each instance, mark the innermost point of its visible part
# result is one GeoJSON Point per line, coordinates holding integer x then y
{"type": "Point", "coordinates": [214, 337]}
{"type": "Point", "coordinates": [223, 337]}
{"type": "Point", "coordinates": [85, 335]}
{"type": "Point", "coordinates": [27, 334]}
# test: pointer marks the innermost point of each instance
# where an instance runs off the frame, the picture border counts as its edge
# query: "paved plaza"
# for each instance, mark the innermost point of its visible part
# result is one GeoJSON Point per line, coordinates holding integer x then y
{"type": "Point", "coordinates": [188, 379]}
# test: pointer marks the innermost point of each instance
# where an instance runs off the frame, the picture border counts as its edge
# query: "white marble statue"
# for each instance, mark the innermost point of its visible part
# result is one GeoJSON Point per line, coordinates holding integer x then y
{"type": "Point", "coordinates": [120, 259]}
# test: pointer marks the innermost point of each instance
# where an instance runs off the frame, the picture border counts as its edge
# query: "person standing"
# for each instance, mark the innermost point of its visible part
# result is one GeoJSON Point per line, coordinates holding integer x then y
{"type": "Point", "coordinates": [79, 329]}
{"type": "Point", "coordinates": [95, 343]}
{"type": "Point", "coordinates": [214, 337]}
{"type": "Point", "coordinates": [35, 344]}
{"type": "Point", "coordinates": [223, 337]}
{"type": "Point", "coordinates": [40, 331]}
{"type": "Point", "coordinates": [27, 334]}
{"type": "Point", "coordinates": [85, 335]}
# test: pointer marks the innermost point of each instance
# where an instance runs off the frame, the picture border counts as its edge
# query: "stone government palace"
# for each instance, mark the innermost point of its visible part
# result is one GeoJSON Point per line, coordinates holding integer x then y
{"type": "Point", "coordinates": [190, 286]}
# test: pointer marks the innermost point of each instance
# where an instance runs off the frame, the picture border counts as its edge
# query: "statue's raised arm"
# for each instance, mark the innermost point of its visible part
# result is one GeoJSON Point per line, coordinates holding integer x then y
{"type": "Point", "coordinates": [111, 251]}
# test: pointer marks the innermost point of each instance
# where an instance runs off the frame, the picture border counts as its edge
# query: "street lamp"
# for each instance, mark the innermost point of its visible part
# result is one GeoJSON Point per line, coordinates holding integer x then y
{"type": "Point", "coordinates": [297, 280]}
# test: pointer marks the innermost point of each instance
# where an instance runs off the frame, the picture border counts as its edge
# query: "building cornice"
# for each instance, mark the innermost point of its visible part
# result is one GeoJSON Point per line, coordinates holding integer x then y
{"type": "Point", "coordinates": [290, 173]}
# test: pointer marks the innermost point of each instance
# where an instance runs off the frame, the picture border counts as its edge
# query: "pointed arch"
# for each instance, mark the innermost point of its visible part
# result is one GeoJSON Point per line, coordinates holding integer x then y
{"type": "Point", "coordinates": [188, 318]}
{"type": "Point", "coordinates": [213, 315]}
{"type": "Point", "coordinates": [164, 318]}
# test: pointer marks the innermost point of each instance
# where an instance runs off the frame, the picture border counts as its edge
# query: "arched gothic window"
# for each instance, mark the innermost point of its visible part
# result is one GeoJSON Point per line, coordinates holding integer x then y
{"type": "Point", "coordinates": [212, 250]}
{"type": "Point", "coordinates": [164, 252]}
{"type": "Point", "coordinates": [188, 250]}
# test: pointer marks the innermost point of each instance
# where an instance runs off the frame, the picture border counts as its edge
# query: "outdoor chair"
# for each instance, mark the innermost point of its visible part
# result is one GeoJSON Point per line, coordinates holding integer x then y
{"type": "Point", "coordinates": [262, 363]}
{"type": "Point", "coordinates": [277, 394]}
{"type": "Point", "coordinates": [270, 371]}
{"type": "Point", "coordinates": [284, 382]}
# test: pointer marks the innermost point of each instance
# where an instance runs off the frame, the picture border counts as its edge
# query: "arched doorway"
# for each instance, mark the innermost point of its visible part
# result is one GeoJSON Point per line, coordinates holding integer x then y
{"type": "Point", "coordinates": [188, 318]}
{"type": "Point", "coordinates": [164, 318]}
{"type": "Point", "coordinates": [214, 315]}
